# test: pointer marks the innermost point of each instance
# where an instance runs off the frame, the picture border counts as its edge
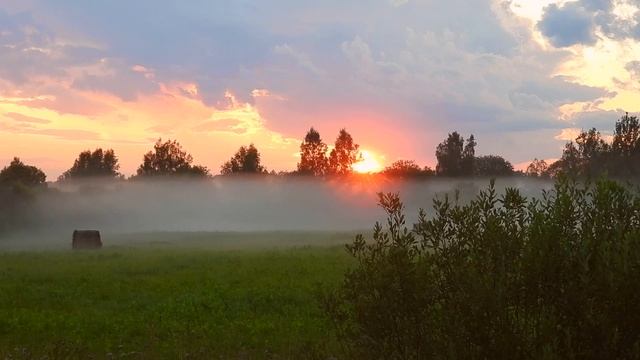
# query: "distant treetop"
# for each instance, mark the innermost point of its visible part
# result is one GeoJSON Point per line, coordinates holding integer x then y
{"type": "Point", "coordinates": [344, 154]}
{"type": "Point", "coordinates": [245, 161]}
{"type": "Point", "coordinates": [18, 173]}
{"type": "Point", "coordinates": [313, 155]}
{"type": "Point", "coordinates": [99, 163]}
{"type": "Point", "coordinates": [168, 159]}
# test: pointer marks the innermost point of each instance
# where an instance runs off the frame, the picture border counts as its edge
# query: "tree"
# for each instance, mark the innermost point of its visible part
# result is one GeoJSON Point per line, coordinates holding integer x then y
{"type": "Point", "coordinates": [591, 145]}
{"type": "Point", "coordinates": [405, 168]}
{"type": "Point", "coordinates": [168, 158]}
{"type": "Point", "coordinates": [18, 185]}
{"type": "Point", "coordinates": [626, 139]}
{"type": "Point", "coordinates": [245, 161]}
{"type": "Point", "coordinates": [313, 155]}
{"type": "Point", "coordinates": [570, 164]}
{"type": "Point", "coordinates": [428, 171]}
{"type": "Point", "coordinates": [344, 154]}
{"type": "Point", "coordinates": [94, 164]}
{"type": "Point", "coordinates": [537, 168]}
{"type": "Point", "coordinates": [455, 158]}
{"type": "Point", "coordinates": [17, 173]}
{"type": "Point", "coordinates": [467, 163]}
{"type": "Point", "coordinates": [593, 152]}
{"type": "Point", "coordinates": [626, 146]}
{"type": "Point", "coordinates": [492, 165]}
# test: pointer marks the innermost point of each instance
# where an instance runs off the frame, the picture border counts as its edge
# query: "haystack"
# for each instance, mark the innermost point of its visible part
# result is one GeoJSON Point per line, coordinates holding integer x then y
{"type": "Point", "coordinates": [86, 239]}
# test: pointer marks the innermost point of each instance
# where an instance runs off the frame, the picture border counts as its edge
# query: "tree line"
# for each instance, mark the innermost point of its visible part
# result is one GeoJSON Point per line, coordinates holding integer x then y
{"type": "Point", "coordinates": [590, 155]}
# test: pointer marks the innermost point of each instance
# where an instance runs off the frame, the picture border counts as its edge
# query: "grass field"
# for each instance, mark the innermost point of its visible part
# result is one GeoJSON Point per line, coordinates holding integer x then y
{"type": "Point", "coordinates": [162, 299]}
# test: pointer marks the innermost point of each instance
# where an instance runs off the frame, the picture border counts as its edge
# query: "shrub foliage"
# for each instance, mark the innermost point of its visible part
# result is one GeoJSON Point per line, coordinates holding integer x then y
{"type": "Point", "coordinates": [499, 277]}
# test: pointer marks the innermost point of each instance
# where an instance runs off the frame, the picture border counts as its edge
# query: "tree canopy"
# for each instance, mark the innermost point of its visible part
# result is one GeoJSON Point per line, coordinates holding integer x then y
{"type": "Point", "coordinates": [168, 158]}
{"type": "Point", "coordinates": [492, 165]}
{"type": "Point", "coordinates": [99, 163]}
{"type": "Point", "coordinates": [590, 155]}
{"type": "Point", "coordinates": [407, 169]}
{"type": "Point", "coordinates": [454, 157]}
{"type": "Point", "coordinates": [626, 138]}
{"type": "Point", "coordinates": [245, 161]}
{"type": "Point", "coordinates": [313, 155]}
{"type": "Point", "coordinates": [344, 154]}
{"type": "Point", "coordinates": [18, 173]}
{"type": "Point", "coordinates": [537, 168]}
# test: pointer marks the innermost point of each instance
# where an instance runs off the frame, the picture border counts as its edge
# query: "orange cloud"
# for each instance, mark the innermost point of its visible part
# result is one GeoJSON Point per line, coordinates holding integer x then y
{"type": "Point", "coordinates": [568, 134]}
{"type": "Point", "coordinates": [55, 125]}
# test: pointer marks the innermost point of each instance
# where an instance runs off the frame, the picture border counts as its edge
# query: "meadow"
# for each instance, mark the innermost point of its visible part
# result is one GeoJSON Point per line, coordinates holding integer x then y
{"type": "Point", "coordinates": [172, 295]}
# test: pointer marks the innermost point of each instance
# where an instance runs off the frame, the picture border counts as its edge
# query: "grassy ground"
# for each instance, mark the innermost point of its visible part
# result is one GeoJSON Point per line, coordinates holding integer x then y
{"type": "Point", "coordinates": [165, 301]}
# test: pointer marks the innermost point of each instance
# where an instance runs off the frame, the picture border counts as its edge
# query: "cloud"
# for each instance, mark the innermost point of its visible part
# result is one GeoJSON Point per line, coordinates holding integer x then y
{"type": "Point", "coordinates": [633, 68]}
{"type": "Point", "coordinates": [567, 25]}
{"type": "Point", "coordinates": [559, 90]}
{"type": "Point", "coordinates": [63, 134]}
{"type": "Point", "coordinates": [568, 134]}
{"type": "Point", "coordinates": [300, 58]}
{"type": "Point", "coordinates": [583, 21]}
{"type": "Point", "coordinates": [225, 125]}
{"type": "Point", "coordinates": [66, 101]}
{"type": "Point", "coordinates": [415, 71]}
{"type": "Point", "coordinates": [67, 134]}
{"type": "Point", "coordinates": [25, 118]}
{"type": "Point", "coordinates": [117, 78]}
{"type": "Point", "coordinates": [396, 3]}
{"type": "Point", "coordinates": [30, 50]}
{"type": "Point", "coordinates": [603, 120]}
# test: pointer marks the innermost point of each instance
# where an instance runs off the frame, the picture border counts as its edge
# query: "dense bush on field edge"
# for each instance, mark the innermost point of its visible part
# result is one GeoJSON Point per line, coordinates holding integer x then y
{"type": "Point", "coordinates": [500, 277]}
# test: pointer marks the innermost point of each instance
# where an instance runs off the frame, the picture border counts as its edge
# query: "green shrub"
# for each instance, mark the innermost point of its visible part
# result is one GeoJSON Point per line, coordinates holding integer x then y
{"type": "Point", "coordinates": [501, 277]}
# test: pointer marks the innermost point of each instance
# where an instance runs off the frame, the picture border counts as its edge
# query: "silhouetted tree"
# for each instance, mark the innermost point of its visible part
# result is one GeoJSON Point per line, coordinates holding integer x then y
{"type": "Point", "coordinates": [537, 168]}
{"type": "Point", "coordinates": [449, 153]}
{"type": "Point", "coordinates": [406, 168]}
{"type": "Point", "coordinates": [492, 165]}
{"type": "Point", "coordinates": [344, 154]}
{"type": "Point", "coordinates": [626, 146]}
{"type": "Point", "coordinates": [168, 158]}
{"type": "Point", "coordinates": [593, 153]}
{"type": "Point", "coordinates": [591, 145]}
{"type": "Point", "coordinates": [467, 164]}
{"type": "Point", "coordinates": [428, 171]}
{"type": "Point", "coordinates": [19, 174]}
{"type": "Point", "coordinates": [570, 164]}
{"type": "Point", "coordinates": [19, 183]}
{"type": "Point", "coordinates": [94, 164]}
{"type": "Point", "coordinates": [592, 156]}
{"type": "Point", "coordinates": [454, 157]}
{"type": "Point", "coordinates": [313, 155]}
{"type": "Point", "coordinates": [245, 161]}
{"type": "Point", "coordinates": [626, 139]}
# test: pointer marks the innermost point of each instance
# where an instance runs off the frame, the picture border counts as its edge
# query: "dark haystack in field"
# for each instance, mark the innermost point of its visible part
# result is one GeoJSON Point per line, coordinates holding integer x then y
{"type": "Point", "coordinates": [86, 239]}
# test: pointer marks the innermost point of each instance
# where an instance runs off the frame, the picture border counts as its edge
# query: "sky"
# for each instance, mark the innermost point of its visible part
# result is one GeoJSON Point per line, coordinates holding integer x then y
{"type": "Point", "coordinates": [523, 76]}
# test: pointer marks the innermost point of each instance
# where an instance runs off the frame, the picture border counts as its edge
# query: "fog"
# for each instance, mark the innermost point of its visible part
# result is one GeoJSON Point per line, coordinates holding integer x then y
{"type": "Point", "coordinates": [239, 204]}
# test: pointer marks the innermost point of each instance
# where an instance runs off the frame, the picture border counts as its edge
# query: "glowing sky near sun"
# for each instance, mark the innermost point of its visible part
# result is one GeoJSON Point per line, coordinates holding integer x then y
{"type": "Point", "coordinates": [522, 76]}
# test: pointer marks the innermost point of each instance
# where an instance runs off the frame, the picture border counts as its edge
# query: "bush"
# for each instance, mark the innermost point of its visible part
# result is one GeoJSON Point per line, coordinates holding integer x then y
{"type": "Point", "coordinates": [499, 277]}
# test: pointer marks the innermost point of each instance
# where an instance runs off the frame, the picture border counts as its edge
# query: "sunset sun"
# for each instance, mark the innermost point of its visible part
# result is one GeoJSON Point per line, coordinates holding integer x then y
{"type": "Point", "coordinates": [368, 164]}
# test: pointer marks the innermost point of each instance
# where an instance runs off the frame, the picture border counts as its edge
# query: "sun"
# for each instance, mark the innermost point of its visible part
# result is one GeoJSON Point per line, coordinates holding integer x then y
{"type": "Point", "coordinates": [368, 164]}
